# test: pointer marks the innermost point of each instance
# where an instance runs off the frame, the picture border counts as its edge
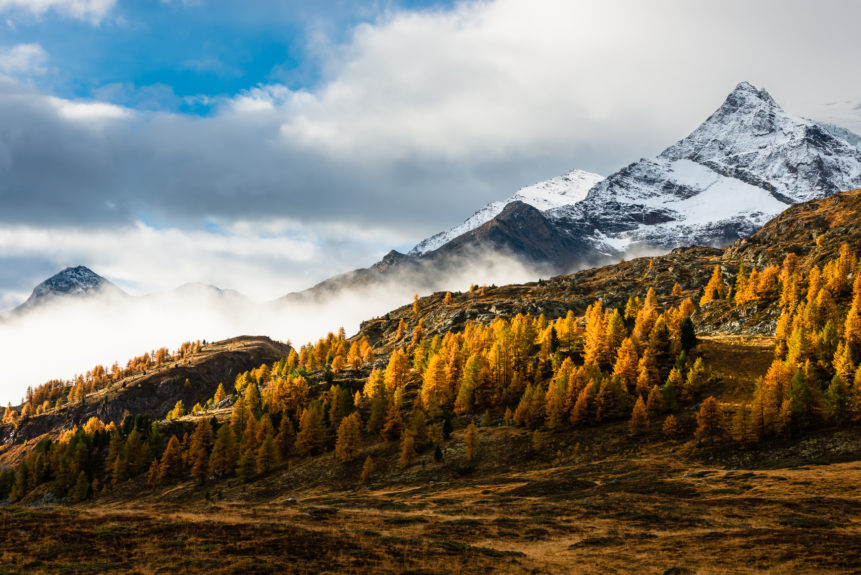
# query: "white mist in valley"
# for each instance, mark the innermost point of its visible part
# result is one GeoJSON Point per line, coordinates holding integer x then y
{"type": "Point", "coordinates": [68, 336]}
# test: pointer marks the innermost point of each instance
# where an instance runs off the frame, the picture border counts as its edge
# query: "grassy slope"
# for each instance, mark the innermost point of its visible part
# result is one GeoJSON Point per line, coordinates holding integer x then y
{"type": "Point", "coordinates": [591, 500]}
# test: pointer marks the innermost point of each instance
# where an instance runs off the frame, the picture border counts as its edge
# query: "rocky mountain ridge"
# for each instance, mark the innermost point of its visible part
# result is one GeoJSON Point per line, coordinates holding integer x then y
{"type": "Point", "coordinates": [744, 165]}
{"type": "Point", "coordinates": [813, 230]}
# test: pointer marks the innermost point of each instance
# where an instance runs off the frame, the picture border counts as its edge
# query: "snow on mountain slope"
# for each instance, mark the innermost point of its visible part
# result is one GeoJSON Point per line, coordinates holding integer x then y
{"type": "Point", "coordinates": [744, 165]}
{"type": "Point", "coordinates": [842, 132]}
{"type": "Point", "coordinates": [77, 281]}
{"type": "Point", "coordinates": [561, 191]}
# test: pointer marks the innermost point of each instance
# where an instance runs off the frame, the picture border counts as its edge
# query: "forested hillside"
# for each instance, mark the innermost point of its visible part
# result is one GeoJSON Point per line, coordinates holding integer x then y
{"type": "Point", "coordinates": [743, 357]}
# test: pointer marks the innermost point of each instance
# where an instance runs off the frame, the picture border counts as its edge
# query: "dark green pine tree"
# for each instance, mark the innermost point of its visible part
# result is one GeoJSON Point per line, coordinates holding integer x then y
{"type": "Point", "coordinates": [688, 335]}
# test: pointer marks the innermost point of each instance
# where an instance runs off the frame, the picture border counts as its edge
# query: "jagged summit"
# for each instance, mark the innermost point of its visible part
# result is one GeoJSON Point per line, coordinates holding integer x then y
{"type": "Point", "coordinates": [563, 190]}
{"type": "Point", "coordinates": [745, 164]}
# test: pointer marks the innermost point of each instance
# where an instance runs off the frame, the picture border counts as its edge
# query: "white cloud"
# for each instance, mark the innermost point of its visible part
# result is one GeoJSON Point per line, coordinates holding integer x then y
{"type": "Point", "coordinates": [263, 260]}
{"type": "Point", "coordinates": [92, 112]}
{"type": "Point", "coordinates": [23, 60]}
{"type": "Point", "coordinates": [511, 77]}
{"type": "Point", "coordinates": [92, 11]}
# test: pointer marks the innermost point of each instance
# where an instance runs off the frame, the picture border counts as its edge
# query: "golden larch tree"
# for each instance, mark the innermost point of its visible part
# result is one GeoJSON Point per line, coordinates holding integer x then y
{"type": "Point", "coordinates": [639, 422]}
{"type": "Point", "coordinates": [348, 438]}
{"type": "Point", "coordinates": [709, 421]}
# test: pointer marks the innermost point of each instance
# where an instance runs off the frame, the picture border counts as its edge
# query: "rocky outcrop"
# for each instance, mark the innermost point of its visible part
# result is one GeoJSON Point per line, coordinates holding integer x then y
{"type": "Point", "coordinates": [156, 392]}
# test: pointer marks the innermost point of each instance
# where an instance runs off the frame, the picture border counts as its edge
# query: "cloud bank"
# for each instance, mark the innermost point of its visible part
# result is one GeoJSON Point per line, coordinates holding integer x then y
{"type": "Point", "coordinates": [67, 336]}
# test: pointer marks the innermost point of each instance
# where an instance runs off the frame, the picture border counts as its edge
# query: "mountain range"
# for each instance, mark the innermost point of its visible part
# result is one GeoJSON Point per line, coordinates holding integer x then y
{"type": "Point", "coordinates": [745, 164]}
{"type": "Point", "coordinates": [80, 282]}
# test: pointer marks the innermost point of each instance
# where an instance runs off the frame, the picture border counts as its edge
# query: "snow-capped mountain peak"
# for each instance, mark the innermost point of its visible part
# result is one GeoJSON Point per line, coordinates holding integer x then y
{"type": "Point", "coordinates": [744, 165]}
{"type": "Point", "coordinates": [564, 190]}
{"type": "Point", "coordinates": [72, 282]}
{"type": "Point", "coordinates": [79, 280]}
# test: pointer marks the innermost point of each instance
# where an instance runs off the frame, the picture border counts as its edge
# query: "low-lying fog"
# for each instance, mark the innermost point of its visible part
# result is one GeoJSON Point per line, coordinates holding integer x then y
{"type": "Point", "coordinates": [66, 336]}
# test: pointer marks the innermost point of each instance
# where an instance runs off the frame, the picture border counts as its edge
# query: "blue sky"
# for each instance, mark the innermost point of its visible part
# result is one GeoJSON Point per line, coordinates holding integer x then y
{"type": "Point", "coordinates": [173, 55]}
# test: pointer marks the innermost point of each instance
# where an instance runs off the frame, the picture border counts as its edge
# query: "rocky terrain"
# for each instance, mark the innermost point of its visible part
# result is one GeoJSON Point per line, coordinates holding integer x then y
{"type": "Point", "coordinates": [152, 393]}
{"type": "Point", "coordinates": [743, 166]}
{"type": "Point", "coordinates": [813, 230]}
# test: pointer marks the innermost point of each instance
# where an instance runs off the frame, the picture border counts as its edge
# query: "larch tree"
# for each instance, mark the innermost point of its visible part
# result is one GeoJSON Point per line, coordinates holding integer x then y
{"type": "Point", "coordinates": [286, 438]}
{"type": "Point", "coordinates": [171, 460]}
{"type": "Point", "coordinates": [709, 421]}
{"type": "Point", "coordinates": [616, 333]}
{"type": "Point", "coordinates": [655, 402]}
{"type": "Point", "coordinates": [222, 460]}
{"type": "Point", "coordinates": [177, 411]}
{"type": "Point", "coordinates": [201, 441]}
{"type": "Point", "coordinates": [435, 383]}
{"type": "Point", "coordinates": [639, 422]}
{"type": "Point", "coordinates": [407, 454]}
{"type": "Point", "coordinates": [348, 438]}
{"type": "Point", "coordinates": [627, 361]}
{"type": "Point", "coordinates": [246, 469]}
{"type": "Point", "coordinates": [715, 289]}
{"type": "Point", "coordinates": [367, 470]}
{"type": "Point", "coordinates": [81, 489]}
{"type": "Point", "coordinates": [312, 431]}
{"type": "Point", "coordinates": [741, 427]}
{"type": "Point", "coordinates": [582, 412]}
{"type": "Point", "coordinates": [396, 371]}
{"type": "Point", "coordinates": [698, 376]}
{"type": "Point", "coordinates": [267, 455]}
{"type": "Point", "coordinates": [671, 426]}
{"type": "Point", "coordinates": [394, 422]}
{"type": "Point", "coordinates": [647, 372]}
{"type": "Point", "coordinates": [338, 364]}
{"type": "Point", "coordinates": [836, 400]}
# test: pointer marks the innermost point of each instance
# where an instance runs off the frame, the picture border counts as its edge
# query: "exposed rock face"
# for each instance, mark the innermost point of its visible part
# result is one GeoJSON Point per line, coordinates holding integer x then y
{"type": "Point", "coordinates": [519, 230]}
{"type": "Point", "coordinates": [563, 190]}
{"type": "Point", "coordinates": [156, 392]}
{"type": "Point", "coordinates": [813, 230]}
{"type": "Point", "coordinates": [745, 164]}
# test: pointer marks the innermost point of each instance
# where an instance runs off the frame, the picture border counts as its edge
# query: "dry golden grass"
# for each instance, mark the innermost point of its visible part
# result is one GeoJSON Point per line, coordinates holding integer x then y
{"type": "Point", "coordinates": [591, 501]}
{"type": "Point", "coordinates": [648, 509]}
{"type": "Point", "coordinates": [736, 362]}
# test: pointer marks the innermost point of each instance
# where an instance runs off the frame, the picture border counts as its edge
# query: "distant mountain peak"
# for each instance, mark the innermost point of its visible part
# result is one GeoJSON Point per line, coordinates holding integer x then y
{"type": "Point", "coordinates": [71, 281]}
{"type": "Point", "coordinates": [78, 281]}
